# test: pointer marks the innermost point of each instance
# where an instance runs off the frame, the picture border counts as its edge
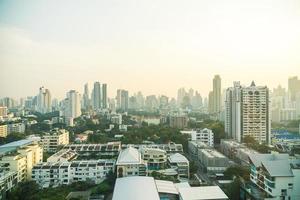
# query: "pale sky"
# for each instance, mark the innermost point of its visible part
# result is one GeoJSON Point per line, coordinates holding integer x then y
{"type": "Point", "coordinates": [155, 46]}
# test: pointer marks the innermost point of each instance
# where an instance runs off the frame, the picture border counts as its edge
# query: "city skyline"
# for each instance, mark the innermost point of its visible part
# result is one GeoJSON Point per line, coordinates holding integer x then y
{"type": "Point", "coordinates": [135, 45]}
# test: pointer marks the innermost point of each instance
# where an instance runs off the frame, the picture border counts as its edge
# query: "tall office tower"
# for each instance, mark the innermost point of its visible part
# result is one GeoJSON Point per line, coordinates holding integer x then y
{"type": "Point", "coordinates": [196, 100]}
{"type": "Point", "coordinates": [180, 94]}
{"type": "Point", "coordinates": [217, 94]}
{"type": "Point", "coordinates": [97, 96]}
{"type": "Point", "coordinates": [104, 95]}
{"type": "Point", "coordinates": [140, 100]}
{"type": "Point", "coordinates": [247, 112]}
{"type": "Point", "coordinates": [294, 87]}
{"type": "Point", "coordinates": [44, 101]}
{"type": "Point", "coordinates": [132, 103]}
{"type": "Point", "coordinates": [124, 100]}
{"type": "Point", "coordinates": [86, 97]}
{"type": "Point", "coordinates": [191, 93]}
{"type": "Point", "coordinates": [72, 104]}
{"type": "Point", "coordinates": [210, 102]}
{"type": "Point", "coordinates": [163, 101]}
{"type": "Point", "coordinates": [8, 102]}
{"type": "Point", "coordinates": [151, 103]}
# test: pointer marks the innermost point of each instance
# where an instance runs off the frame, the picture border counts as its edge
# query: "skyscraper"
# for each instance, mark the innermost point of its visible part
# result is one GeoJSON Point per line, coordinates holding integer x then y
{"type": "Point", "coordinates": [104, 95]}
{"type": "Point", "coordinates": [44, 101]}
{"type": "Point", "coordinates": [247, 113]}
{"type": "Point", "coordinates": [294, 87]}
{"type": "Point", "coordinates": [86, 97]}
{"type": "Point", "coordinates": [72, 104]}
{"type": "Point", "coordinates": [97, 96]}
{"type": "Point", "coordinates": [122, 99]}
{"type": "Point", "coordinates": [217, 94]}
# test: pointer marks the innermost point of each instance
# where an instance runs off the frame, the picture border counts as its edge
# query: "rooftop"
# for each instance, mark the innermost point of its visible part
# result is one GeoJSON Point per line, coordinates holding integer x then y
{"type": "Point", "coordinates": [177, 157]}
{"type": "Point", "coordinates": [129, 156]}
{"type": "Point", "coordinates": [199, 193]}
{"type": "Point", "coordinates": [135, 188]}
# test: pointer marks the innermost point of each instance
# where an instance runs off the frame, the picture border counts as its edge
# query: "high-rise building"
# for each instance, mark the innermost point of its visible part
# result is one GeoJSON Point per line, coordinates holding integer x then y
{"type": "Point", "coordinates": [72, 104]}
{"type": "Point", "coordinates": [44, 101]}
{"type": "Point", "coordinates": [210, 102]}
{"type": "Point", "coordinates": [86, 97]}
{"type": "Point", "coordinates": [294, 87]}
{"type": "Point", "coordinates": [181, 93]}
{"type": "Point", "coordinates": [217, 94]}
{"type": "Point", "coordinates": [122, 99]}
{"type": "Point", "coordinates": [247, 113]}
{"type": "Point", "coordinates": [3, 111]}
{"type": "Point", "coordinates": [104, 95]}
{"type": "Point", "coordinates": [96, 96]}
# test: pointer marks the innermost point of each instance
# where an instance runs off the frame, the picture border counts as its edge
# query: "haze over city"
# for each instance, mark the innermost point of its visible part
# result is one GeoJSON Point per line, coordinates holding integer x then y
{"type": "Point", "coordinates": [151, 46]}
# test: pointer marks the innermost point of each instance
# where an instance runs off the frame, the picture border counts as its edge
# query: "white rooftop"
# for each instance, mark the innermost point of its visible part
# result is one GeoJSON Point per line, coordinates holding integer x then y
{"type": "Point", "coordinates": [166, 187]}
{"type": "Point", "coordinates": [129, 156]}
{"type": "Point", "coordinates": [199, 193]}
{"type": "Point", "coordinates": [177, 158]}
{"type": "Point", "coordinates": [135, 188]}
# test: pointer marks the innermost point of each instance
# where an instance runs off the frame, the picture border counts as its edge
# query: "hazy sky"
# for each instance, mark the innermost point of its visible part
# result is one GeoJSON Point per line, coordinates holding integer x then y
{"type": "Point", "coordinates": [155, 46]}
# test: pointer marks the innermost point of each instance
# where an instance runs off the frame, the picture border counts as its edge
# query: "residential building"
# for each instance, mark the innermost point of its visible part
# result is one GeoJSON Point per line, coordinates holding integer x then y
{"type": "Point", "coordinates": [109, 149]}
{"type": "Point", "coordinates": [203, 135]}
{"type": "Point", "coordinates": [178, 121]}
{"type": "Point", "coordinates": [247, 113]}
{"type": "Point", "coordinates": [170, 148]}
{"type": "Point", "coordinates": [64, 173]}
{"type": "Point", "coordinates": [8, 180]}
{"type": "Point", "coordinates": [212, 160]}
{"type": "Point", "coordinates": [72, 105]}
{"type": "Point", "coordinates": [16, 128]}
{"type": "Point", "coordinates": [156, 158]}
{"type": "Point", "coordinates": [20, 156]}
{"type": "Point", "coordinates": [3, 131]}
{"type": "Point", "coordinates": [276, 175]}
{"type": "Point", "coordinates": [86, 97]}
{"type": "Point", "coordinates": [293, 87]}
{"type": "Point", "coordinates": [130, 163]}
{"type": "Point", "coordinates": [181, 164]}
{"type": "Point", "coordinates": [116, 119]}
{"type": "Point", "coordinates": [216, 94]}
{"type": "Point", "coordinates": [55, 138]}
{"type": "Point", "coordinates": [63, 155]}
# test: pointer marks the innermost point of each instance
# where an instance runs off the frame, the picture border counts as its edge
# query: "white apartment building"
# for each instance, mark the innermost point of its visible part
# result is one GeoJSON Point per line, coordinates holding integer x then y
{"type": "Point", "coordinates": [55, 138]}
{"type": "Point", "coordinates": [63, 155]}
{"type": "Point", "coordinates": [64, 173]}
{"type": "Point", "coordinates": [3, 111]}
{"type": "Point", "coordinates": [130, 163]}
{"type": "Point", "coordinates": [116, 119]}
{"type": "Point", "coordinates": [203, 135]}
{"type": "Point", "coordinates": [247, 112]}
{"type": "Point", "coordinates": [181, 164]}
{"type": "Point", "coordinates": [156, 158]}
{"type": "Point", "coordinates": [276, 175]}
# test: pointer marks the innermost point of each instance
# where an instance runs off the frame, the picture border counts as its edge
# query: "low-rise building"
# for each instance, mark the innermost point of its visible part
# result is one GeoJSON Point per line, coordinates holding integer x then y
{"type": "Point", "coordinates": [55, 138]}
{"type": "Point", "coordinates": [146, 188]}
{"type": "Point", "coordinates": [156, 158]}
{"type": "Point", "coordinates": [194, 147]}
{"type": "Point", "coordinates": [170, 148]}
{"type": "Point", "coordinates": [8, 180]}
{"type": "Point", "coordinates": [109, 149]}
{"type": "Point", "coordinates": [130, 163]}
{"type": "Point", "coordinates": [212, 160]}
{"type": "Point", "coordinates": [203, 135]}
{"type": "Point", "coordinates": [178, 121]}
{"type": "Point", "coordinates": [63, 155]}
{"type": "Point", "coordinates": [276, 175]}
{"type": "Point", "coordinates": [63, 173]}
{"type": "Point", "coordinates": [181, 164]}
{"type": "Point", "coordinates": [16, 128]}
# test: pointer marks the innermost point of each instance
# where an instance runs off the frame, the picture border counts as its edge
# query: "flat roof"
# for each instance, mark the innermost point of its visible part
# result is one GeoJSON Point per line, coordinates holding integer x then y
{"type": "Point", "coordinates": [135, 188]}
{"type": "Point", "coordinates": [166, 187]}
{"type": "Point", "coordinates": [14, 145]}
{"type": "Point", "coordinates": [203, 192]}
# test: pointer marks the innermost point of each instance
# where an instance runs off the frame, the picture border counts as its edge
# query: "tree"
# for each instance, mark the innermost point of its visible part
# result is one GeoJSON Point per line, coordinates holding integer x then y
{"type": "Point", "coordinates": [232, 190]}
{"type": "Point", "coordinates": [249, 139]}
{"type": "Point", "coordinates": [12, 137]}
{"type": "Point", "coordinates": [25, 191]}
{"type": "Point", "coordinates": [237, 171]}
